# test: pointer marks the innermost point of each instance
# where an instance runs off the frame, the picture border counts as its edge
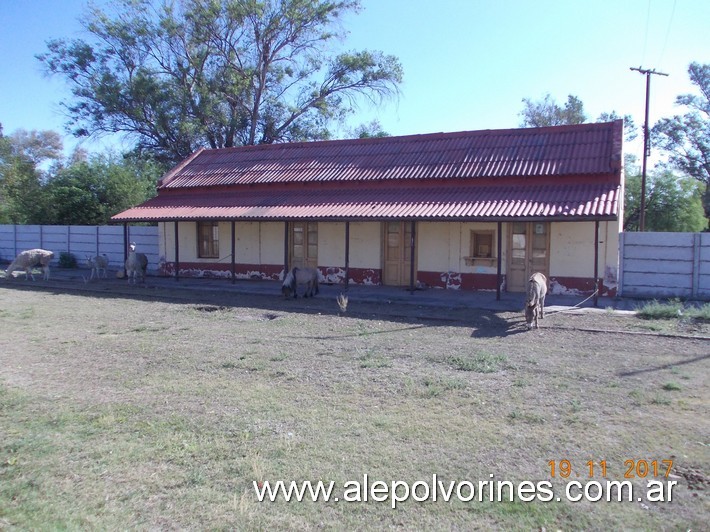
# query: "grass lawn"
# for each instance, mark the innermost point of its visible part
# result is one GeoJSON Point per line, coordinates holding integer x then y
{"type": "Point", "coordinates": [161, 409]}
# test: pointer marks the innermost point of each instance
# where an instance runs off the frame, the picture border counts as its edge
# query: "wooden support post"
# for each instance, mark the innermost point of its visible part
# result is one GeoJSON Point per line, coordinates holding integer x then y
{"type": "Point", "coordinates": [347, 255]}
{"type": "Point", "coordinates": [177, 252]}
{"type": "Point", "coordinates": [234, 257]}
{"type": "Point", "coordinates": [596, 262]}
{"type": "Point", "coordinates": [125, 247]}
{"type": "Point", "coordinates": [500, 260]}
{"type": "Point", "coordinates": [285, 248]}
{"type": "Point", "coordinates": [411, 257]}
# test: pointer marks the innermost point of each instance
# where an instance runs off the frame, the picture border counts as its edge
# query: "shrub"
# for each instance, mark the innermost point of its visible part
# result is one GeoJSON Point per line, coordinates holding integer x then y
{"type": "Point", "coordinates": [67, 260]}
{"type": "Point", "coordinates": [654, 310]}
{"type": "Point", "coordinates": [699, 313]}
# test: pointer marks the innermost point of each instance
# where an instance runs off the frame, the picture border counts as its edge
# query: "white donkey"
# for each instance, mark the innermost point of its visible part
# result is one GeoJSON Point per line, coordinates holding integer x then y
{"type": "Point", "coordinates": [535, 302]}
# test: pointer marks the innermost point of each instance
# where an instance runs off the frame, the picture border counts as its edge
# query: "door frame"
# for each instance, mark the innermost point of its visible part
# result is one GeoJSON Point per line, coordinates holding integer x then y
{"type": "Point", "coordinates": [529, 269]}
{"type": "Point", "coordinates": [405, 260]}
{"type": "Point", "coordinates": [309, 261]}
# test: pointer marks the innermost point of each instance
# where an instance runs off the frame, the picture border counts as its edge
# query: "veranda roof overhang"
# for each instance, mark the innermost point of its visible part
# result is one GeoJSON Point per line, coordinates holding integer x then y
{"type": "Point", "coordinates": [503, 202]}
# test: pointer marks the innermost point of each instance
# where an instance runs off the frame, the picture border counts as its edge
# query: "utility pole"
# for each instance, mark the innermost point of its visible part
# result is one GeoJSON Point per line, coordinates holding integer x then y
{"type": "Point", "coordinates": [646, 144]}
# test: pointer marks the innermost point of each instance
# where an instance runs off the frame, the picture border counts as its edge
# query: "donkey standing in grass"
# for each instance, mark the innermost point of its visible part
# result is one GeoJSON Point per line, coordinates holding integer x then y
{"type": "Point", "coordinates": [307, 276]}
{"type": "Point", "coordinates": [535, 302]}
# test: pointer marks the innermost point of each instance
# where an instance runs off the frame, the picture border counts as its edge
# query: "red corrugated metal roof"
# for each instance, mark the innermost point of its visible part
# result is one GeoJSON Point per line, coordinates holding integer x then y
{"type": "Point", "coordinates": [548, 201]}
{"type": "Point", "coordinates": [552, 151]}
{"type": "Point", "coordinates": [564, 172]}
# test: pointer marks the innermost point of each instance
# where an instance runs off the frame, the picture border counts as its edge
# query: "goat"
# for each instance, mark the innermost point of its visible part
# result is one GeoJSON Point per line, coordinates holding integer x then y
{"type": "Point", "coordinates": [30, 258]}
{"type": "Point", "coordinates": [97, 263]}
{"type": "Point", "coordinates": [342, 300]}
{"type": "Point", "coordinates": [136, 264]}
{"type": "Point", "coordinates": [535, 303]}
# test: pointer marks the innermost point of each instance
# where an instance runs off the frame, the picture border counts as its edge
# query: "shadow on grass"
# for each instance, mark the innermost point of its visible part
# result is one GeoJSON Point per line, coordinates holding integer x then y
{"type": "Point", "coordinates": [664, 366]}
{"type": "Point", "coordinates": [484, 323]}
{"type": "Point", "coordinates": [490, 325]}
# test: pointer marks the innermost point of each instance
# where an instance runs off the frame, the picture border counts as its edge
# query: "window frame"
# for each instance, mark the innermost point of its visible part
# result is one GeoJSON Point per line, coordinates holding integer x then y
{"type": "Point", "coordinates": [475, 243]}
{"type": "Point", "coordinates": [207, 239]}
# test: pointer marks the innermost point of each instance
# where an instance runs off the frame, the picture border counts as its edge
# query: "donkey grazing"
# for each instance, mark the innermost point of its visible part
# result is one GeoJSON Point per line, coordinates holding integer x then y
{"type": "Point", "coordinates": [307, 276]}
{"type": "Point", "coordinates": [535, 303]}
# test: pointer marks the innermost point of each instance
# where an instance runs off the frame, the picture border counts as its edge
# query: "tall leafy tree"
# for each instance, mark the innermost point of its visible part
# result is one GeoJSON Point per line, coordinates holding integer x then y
{"type": "Point", "coordinates": [26, 159]}
{"type": "Point", "coordinates": [91, 190]}
{"type": "Point", "coordinates": [686, 138]}
{"type": "Point", "coordinates": [672, 203]}
{"type": "Point", "coordinates": [547, 112]}
{"type": "Point", "coordinates": [216, 73]}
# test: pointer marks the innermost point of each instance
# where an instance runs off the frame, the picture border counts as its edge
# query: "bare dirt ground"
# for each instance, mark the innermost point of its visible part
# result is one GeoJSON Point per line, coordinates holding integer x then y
{"type": "Point", "coordinates": [136, 408]}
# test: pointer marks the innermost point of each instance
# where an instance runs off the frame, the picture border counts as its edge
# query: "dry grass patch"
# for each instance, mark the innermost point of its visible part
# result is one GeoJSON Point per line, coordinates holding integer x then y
{"type": "Point", "coordinates": [160, 411]}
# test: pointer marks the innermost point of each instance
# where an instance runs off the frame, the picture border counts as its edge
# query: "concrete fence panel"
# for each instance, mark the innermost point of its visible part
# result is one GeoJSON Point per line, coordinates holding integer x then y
{"type": "Point", "coordinates": [663, 265]}
{"type": "Point", "coordinates": [81, 241]}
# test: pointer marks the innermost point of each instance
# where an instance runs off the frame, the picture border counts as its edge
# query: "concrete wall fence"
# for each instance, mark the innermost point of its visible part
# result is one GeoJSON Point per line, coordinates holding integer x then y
{"type": "Point", "coordinates": [80, 241]}
{"type": "Point", "coordinates": [664, 265]}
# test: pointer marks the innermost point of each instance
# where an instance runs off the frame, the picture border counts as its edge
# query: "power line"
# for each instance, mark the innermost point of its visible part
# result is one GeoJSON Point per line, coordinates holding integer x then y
{"type": "Point", "coordinates": [668, 32]}
{"type": "Point", "coordinates": [646, 143]}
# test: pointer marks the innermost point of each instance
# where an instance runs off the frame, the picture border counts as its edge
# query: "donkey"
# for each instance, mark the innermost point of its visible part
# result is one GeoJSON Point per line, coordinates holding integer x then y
{"type": "Point", "coordinates": [307, 276]}
{"type": "Point", "coordinates": [535, 303]}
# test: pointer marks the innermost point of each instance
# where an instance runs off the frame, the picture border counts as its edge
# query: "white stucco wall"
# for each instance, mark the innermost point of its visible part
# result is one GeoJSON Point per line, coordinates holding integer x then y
{"type": "Point", "coordinates": [434, 243]}
{"type": "Point", "coordinates": [331, 243]}
{"type": "Point", "coordinates": [247, 244]}
{"type": "Point", "coordinates": [271, 238]}
{"type": "Point", "coordinates": [256, 242]}
{"type": "Point", "coordinates": [365, 245]}
{"type": "Point", "coordinates": [572, 248]}
{"type": "Point", "coordinates": [443, 247]}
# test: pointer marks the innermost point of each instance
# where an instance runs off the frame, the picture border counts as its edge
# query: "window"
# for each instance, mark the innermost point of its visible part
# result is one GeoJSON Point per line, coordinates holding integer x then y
{"type": "Point", "coordinates": [481, 244]}
{"type": "Point", "coordinates": [208, 240]}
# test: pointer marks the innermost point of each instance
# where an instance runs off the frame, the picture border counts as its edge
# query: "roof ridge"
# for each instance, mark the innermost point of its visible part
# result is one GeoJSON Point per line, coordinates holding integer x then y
{"type": "Point", "coordinates": [593, 148]}
{"type": "Point", "coordinates": [415, 136]}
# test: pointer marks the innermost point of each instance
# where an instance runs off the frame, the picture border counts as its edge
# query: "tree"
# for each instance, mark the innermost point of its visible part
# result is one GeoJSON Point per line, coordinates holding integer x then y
{"type": "Point", "coordinates": [686, 138]}
{"type": "Point", "coordinates": [90, 191]}
{"type": "Point", "coordinates": [181, 75]}
{"type": "Point", "coordinates": [38, 186]}
{"type": "Point", "coordinates": [672, 203]}
{"type": "Point", "coordinates": [548, 112]}
{"type": "Point", "coordinates": [372, 129]}
{"type": "Point", "coordinates": [23, 156]}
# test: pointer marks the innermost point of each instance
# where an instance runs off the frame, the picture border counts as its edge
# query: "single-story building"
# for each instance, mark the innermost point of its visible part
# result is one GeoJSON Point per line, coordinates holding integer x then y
{"type": "Point", "coordinates": [472, 210]}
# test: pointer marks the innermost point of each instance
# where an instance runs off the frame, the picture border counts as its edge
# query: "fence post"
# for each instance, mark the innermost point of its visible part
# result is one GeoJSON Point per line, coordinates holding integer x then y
{"type": "Point", "coordinates": [620, 280]}
{"type": "Point", "coordinates": [695, 285]}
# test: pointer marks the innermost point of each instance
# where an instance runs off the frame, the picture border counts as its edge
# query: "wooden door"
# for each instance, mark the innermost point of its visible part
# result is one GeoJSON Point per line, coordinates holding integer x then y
{"type": "Point", "coordinates": [528, 252]}
{"type": "Point", "coordinates": [304, 245]}
{"type": "Point", "coordinates": [397, 253]}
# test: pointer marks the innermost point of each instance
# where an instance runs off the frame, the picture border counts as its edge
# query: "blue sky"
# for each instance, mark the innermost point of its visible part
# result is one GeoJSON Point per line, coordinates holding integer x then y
{"type": "Point", "coordinates": [467, 63]}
